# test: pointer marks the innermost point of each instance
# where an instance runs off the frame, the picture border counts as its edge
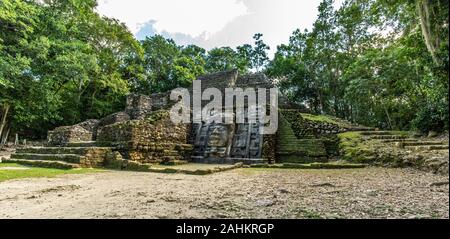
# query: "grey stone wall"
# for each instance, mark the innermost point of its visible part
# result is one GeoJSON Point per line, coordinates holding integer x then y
{"type": "Point", "coordinates": [114, 118]}
{"type": "Point", "coordinates": [68, 134]}
{"type": "Point", "coordinates": [155, 139]}
{"type": "Point", "coordinates": [138, 106]}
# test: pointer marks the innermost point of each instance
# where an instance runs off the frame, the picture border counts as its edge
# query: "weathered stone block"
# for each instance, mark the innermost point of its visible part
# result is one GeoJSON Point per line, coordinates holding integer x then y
{"type": "Point", "coordinates": [138, 106]}
{"type": "Point", "coordinates": [155, 139]}
{"type": "Point", "coordinates": [114, 118]}
{"type": "Point", "coordinates": [68, 134]}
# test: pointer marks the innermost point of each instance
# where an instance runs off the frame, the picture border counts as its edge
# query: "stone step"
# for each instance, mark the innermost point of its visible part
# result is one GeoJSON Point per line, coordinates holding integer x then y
{"type": "Point", "coordinates": [302, 141]}
{"type": "Point", "coordinates": [423, 143]}
{"type": "Point", "coordinates": [302, 152]}
{"type": "Point", "coordinates": [360, 128]}
{"type": "Point", "coordinates": [151, 146]}
{"type": "Point", "coordinates": [369, 133]}
{"type": "Point", "coordinates": [297, 146]}
{"type": "Point", "coordinates": [302, 159]}
{"type": "Point", "coordinates": [172, 158]}
{"type": "Point", "coordinates": [82, 144]}
{"type": "Point", "coordinates": [249, 161]}
{"type": "Point", "coordinates": [427, 147]}
{"type": "Point", "coordinates": [176, 162]}
{"type": "Point", "coordinates": [245, 161]}
{"type": "Point", "coordinates": [69, 158]}
{"type": "Point", "coordinates": [171, 153]}
{"type": "Point", "coordinates": [388, 136]}
{"type": "Point", "coordinates": [289, 137]}
{"type": "Point", "coordinates": [58, 150]}
{"type": "Point", "coordinates": [398, 140]}
{"type": "Point", "coordinates": [44, 163]}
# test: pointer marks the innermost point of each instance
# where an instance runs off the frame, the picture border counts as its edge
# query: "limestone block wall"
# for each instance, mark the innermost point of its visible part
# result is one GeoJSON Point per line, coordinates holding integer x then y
{"type": "Point", "coordinates": [153, 139]}
{"type": "Point", "coordinates": [138, 106]}
{"type": "Point", "coordinates": [95, 157]}
{"type": "Point", "coordinates": [114, 118]}
{"type": "Point", "coordinates": [160, 101]}
{"type": "Point", "coordinates": [162, 153]}
{"type": "Point", "coordinates": [156, 128]}
{"type": "Point", "coordinates": [306, 128]}
{"type": "Point", "coordinates": [298, 125]}
{"type": "Point", "coordinates": [68, 134]}
{"type": "Point", "coordinates": [90, 125]}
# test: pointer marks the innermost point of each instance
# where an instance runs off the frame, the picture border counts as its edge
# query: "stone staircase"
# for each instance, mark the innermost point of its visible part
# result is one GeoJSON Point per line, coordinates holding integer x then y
{"type": "Point", "coordinates": [412, 150]}
{"type": "Point", "coordinates": [407, 141]}
{"type": "Point", "coordinates": [90, 155]}
{"type": "Point", "coordinates": [73, 155]}
{"type": "Point", "coordinates": [290, 149]}
{"type": "Point", "coordinates": [154, 153]}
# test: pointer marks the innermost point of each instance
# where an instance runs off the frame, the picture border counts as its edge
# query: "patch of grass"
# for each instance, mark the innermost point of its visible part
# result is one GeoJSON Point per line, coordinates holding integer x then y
{"type": "Point", "coordinates": [308, 214]}
{"type": "Point", "coordinates": [319, 118]}
{"type": "Point", "coordinates": [4, 165]}
{"type": "Point", "coordinates": [34, 172]}
{"type": "Point", "coordinates": [354, 149]}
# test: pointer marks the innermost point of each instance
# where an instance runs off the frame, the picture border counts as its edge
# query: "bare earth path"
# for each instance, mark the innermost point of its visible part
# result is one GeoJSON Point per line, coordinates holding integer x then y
{"type": "Point", "coordinates": [241, 193]}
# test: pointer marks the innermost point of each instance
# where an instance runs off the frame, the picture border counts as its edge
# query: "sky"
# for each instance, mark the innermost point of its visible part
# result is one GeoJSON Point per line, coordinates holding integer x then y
{"type": "Point", "coordinates": [214, 23]}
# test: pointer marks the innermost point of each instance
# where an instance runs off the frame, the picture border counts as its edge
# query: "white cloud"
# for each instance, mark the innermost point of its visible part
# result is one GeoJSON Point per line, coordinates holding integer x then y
{"type": "Point", "coordinates": [192, 17]}
{"type": "Point", "coordinates": [215, 23]}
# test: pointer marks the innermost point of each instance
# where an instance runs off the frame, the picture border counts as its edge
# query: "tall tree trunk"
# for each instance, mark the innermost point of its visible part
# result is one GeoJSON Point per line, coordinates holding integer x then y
{"type": "Point", "coordinates": [4, 116]}
{"type": "Point", "coordinates": [4, 140]}
{"type": "Point", "coordinates": [429, 34]}
{"type": "Point", "coordinates": [388, 117]}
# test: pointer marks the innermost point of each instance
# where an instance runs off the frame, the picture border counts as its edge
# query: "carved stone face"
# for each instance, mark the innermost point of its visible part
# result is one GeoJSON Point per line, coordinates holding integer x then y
{"type": "Point", "coordinates": [218, 136]}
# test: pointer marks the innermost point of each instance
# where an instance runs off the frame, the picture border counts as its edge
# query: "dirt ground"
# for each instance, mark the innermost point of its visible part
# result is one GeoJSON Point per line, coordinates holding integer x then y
{"type": "Point", "coordinates": [240, 193]}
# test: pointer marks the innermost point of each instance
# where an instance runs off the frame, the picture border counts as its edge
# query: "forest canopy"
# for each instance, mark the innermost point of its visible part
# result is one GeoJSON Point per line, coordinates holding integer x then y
{"type": "Point", "coordinates": [375, 62]}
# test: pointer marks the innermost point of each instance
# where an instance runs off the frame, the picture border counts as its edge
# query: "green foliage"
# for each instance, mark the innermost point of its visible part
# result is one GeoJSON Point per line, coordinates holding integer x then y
{"type": "Point", "coordinates": [221, 59]}
{"type": "Point", "coordinates": [244, 58]}
{"type": "Point", "coordinates": [432, 117]}
{"type": "Point", "coordinates": [259, 56]}
{"type": "Point", "coordinates": [370, 62]}
{"type": "Point", "coordinates": [157, 116]}
{"type": "Point", "coordinates": [34, 172]}
{"type": "Point", "coordinates": [61, 63]}
{"type": "Point", "coordinates": [379, 63]}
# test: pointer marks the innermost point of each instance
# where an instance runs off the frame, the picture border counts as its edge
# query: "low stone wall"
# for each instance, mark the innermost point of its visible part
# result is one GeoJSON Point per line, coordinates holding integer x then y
{"type": "Point", "coordinates": [323, 128]}
{"type": "Point", "coordinates": [297, 124]}
{"type": "Point", "coordinates": [155, 139]}
{"type": "Point", "coordinates": [90, 125]}
{"type": "Point", "coordinates": [68, 134]}
{"type": "Point", "coordinates": [161, 101]}
{"type": "Point", "coordinates": [162, 153]}
{"type": "Point", "coordinates": [84, 131]}
{"type": "Point", "coordinates": [95, 157]}
{"type": "Point", "coordinates": [114, 118]}
{"type": "Point", "coordinates": [157, 127]}
{"type": "Point", "coordinates": [138, 106]}
{"type": "Point", "coordinates": [303, 127]}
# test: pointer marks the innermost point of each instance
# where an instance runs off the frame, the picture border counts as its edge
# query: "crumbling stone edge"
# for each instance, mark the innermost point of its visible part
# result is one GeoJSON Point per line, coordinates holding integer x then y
{"type": "Point", "coordinates": [115, 161]}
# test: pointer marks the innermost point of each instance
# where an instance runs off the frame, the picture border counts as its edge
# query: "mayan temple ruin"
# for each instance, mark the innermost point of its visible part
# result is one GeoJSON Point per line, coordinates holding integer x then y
{"type": "Point", "coordinates": [143, 135]}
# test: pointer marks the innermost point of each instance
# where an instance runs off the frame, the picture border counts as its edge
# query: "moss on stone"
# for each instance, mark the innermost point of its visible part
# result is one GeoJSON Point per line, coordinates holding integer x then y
{"type": "Point", "coordinates": [157, 116]}
{"type": "Point", "coordinates": [319, 118]}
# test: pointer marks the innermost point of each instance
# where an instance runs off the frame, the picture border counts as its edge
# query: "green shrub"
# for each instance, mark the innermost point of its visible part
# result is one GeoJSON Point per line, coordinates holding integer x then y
{"type": "Point", "coordinates": [432, 117]}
